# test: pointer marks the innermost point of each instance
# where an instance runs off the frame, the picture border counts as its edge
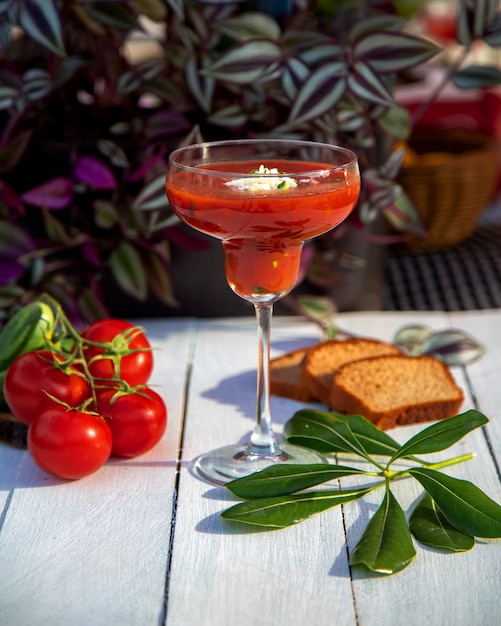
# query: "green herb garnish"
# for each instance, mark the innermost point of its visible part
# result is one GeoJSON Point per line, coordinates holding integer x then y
{"type": "Point", "coordinates": [451, 514]}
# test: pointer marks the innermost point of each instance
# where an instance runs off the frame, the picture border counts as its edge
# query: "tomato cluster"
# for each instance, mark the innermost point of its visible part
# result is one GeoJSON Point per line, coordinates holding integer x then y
{"type": "Point", "coordinates": [89, 402]}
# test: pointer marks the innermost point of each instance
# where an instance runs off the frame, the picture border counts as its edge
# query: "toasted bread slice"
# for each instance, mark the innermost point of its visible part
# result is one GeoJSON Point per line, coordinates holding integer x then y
{"type": "Point", "coordinates": [396, 390]}
{"type": "Point", "coordinates": [285, 376]}
{"type": "Point", "coordinates": [325, 358]}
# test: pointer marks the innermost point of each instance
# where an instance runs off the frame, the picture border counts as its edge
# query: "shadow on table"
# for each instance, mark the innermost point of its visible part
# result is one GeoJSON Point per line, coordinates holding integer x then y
{"type": "Point", "coordinates": [240, 391]}
{"type": "Point", "coordinates": [213, 524]}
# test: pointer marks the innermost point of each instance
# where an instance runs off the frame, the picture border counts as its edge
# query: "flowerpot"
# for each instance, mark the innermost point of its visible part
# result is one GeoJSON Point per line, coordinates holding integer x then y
{"type": "Point", "coordinates": [450, 177]}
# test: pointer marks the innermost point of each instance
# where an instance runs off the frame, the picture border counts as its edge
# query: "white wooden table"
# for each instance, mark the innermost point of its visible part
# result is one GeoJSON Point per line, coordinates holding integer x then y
{"type": "Point", "coordinates": [141, 541]}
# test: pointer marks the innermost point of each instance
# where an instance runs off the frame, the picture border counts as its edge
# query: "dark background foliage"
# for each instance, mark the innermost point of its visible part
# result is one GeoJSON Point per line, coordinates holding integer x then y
{"type": "Point", "coordinates": [86, 126]}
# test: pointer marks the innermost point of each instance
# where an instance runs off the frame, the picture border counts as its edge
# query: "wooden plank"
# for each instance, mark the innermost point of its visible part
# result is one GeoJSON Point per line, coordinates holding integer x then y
{"type": "Point", "coordinates": [485, 374]}
{"type": "Point", "coordinates": [224, 574]}
{"type": "Point", "coordinates": [246, 568]}
{"type": "Point", "coordinates": [95, 551]}
{"type": "Point", "coordinates": [436, 588]}
{"type": "Point", "coordinates": [11, 461]}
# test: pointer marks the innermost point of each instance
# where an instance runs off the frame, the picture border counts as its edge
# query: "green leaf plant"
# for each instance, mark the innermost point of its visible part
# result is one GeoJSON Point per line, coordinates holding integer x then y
{"type": "Point", "coordinates": [449, 516]}
{"type": "Point", "coordinates": [94, 95]}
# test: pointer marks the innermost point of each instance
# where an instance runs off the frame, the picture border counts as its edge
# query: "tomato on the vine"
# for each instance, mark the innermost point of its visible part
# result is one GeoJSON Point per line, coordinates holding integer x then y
{"type": "Point", "coordinates": [129, 356]}
{"type": "Point", "coordinates": [69, 444]}
{"type": "Point", "coordinates": [137, 420]}
{"type": "Point", "coordinates": [34, 375]}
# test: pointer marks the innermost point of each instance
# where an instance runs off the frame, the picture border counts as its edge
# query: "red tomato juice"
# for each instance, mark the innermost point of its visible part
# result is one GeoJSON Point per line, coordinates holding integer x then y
{"type": "Point", "coordinates": [262, 231]}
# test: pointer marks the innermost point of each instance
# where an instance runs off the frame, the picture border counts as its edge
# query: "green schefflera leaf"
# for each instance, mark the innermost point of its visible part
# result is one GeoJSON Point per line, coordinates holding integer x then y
{"type": "Point", "coordinates": [324, 435]}
{"type": "Point", "coordinates": [441, 435]}
{"type": "Point", "coordinates": [462, 503]}
{"type": "Point", "coordinates": [283, 511]}
{"type": "Point", "coordinates": [333, 432]}
{"type": "Point", "coordinates": [431, 528]}
{"type": "Point", "coordinates": [286, 478]}
{"type": "Point", "coordinates": [386, 545]}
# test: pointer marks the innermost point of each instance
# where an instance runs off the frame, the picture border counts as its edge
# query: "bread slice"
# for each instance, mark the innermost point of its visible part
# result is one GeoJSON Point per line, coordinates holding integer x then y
{"type": "Point", "coordinates": [325, 358]}
{"type": "Point", "coordinates": [396, 390]}
{"type": "Point", "coordinates": [285, 376]}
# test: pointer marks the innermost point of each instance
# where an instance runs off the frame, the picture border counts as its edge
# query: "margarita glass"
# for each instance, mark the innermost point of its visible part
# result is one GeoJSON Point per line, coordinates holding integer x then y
{"type": "Point", "coordinates": [263, 199]}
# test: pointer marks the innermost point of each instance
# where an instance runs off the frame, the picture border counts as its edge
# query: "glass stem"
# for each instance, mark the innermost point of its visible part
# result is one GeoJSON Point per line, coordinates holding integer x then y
{"type": "Point", "coordinates": [263, 439]}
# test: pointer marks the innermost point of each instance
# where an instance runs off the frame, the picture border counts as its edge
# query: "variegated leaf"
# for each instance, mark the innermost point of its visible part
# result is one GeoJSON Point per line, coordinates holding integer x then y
{"type": "Point", "coordinates": [232, 116]}
{"type": "Point", "coordinates": [294, 74]}
{"type": "Point", "coordinates": [323, 53]}
{"type": "Point", "coordinates": [90, 307]}
{"type": "Point", "coordinates": [412, 337]}
{"type": "Point", "coordinates": [166, 122]}
{"type": "Point", "coordinates": [150, 68]}
{"type": "Point", "coordinates": [41, 22]}
{"type": "Point", "coordinates": [67, 68]}
{"type": "Point", "coordinates": [12, 151]}
{"type": "Point", "coordinates": [364, 83]}
{"type": "Point", "coordinates": [201, 87]}
{"type": "Point", "coordinates": [350, 119]}
{"type": "Point", "coordinates": [54, 228]}
{"type": "Point", "coordinates": [128, 82]}
{"type": "Point", "coordinates": [383, 198]}
{"type": "Point", "coordinates": [464, 33]}
{"type": "Point", "coordinates": [37, 83]}
{"type": "Point", "coordinates": [128, 270]}
{"type": "Point", "coordinates": [404, 217]}
{"type": "Point", "coordinates": [387, 52]}
{"type": "Point", "coordinates": [114, 14]}
{"type": "Point", "coordinates": [249, 25]}
{"type": "Point", "coordinates": [8, 96]}
{"type": "Point", "coordinates": [321, 310]}
{"type": "Point", "coordinates": [454, 347]}
{"type": "Point", "coordinates": [159, 279]}
{"type": "Point", "coordinates": [321, 91]}
{"type": "Point", "coordinates": [477, 77]}
{"type": "Point", "coordinates": [14, 241]}
{"type": "Point", "coordinates": [395, 121]}
{"type": "Point", "coordinates": [154, 9]}
{"type": "Point", "coordinates": [483, 13]}
{"type": "Point", "coordinates": [105, 214]}
{"type": "Point", "coordinates": [178, 7]}
{"type": "Point", "coordinates": [376, 23]}
{"type": "Point", "coordinates": [246, 62]}
{"type": "Point", "coordinates": [297, 40]}
{"type": "Point", "coordinates": [153, 196]}
{"type": "Point", "coordinates": [492, 32]}
{"type": "Point", "coordinates": [391, 167]}
{"type": "Point", "coordinates": [9, 295]}
{"type": "Point", "coordinates": [114, 152]}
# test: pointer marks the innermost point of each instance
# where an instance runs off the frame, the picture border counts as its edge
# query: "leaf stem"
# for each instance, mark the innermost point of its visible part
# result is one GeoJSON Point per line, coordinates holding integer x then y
{"type": "Point", "coordinates": [453, 461]}
{"type": "Point", "coordinates": [394, 475]}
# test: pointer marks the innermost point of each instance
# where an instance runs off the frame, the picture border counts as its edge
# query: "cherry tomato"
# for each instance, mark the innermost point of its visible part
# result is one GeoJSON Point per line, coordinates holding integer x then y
{"type": "Point", "coordinates": [69, 443]}
{"type": "Point", "coordinates": [135, 368]}
{"type": "Point", "coordinates": [33, 375]}
{"type": "Point", "coordinates": [137, 420]}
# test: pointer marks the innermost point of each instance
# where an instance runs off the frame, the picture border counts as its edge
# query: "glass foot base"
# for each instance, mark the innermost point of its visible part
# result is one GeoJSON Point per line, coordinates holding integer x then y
{"type": "Point", "coordinates": [235, 461]}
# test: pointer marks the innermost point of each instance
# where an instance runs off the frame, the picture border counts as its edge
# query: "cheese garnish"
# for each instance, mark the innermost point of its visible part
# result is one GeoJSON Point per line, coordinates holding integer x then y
{"type": "Point", "coordinates": [265, 182]}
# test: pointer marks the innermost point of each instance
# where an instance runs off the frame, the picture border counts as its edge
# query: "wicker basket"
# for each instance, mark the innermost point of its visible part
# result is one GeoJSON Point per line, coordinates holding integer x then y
{"type": "Point", "coordinates": [452, 185]}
